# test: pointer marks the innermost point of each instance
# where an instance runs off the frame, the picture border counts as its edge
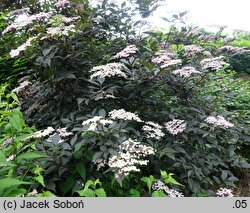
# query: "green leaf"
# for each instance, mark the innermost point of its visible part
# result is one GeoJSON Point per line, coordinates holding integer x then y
{"type": "Point", "coordinates": [16, 192]}
{"type": "Point", "coordinates": [171, 180]}
{"type": "Point", "coordinates": [148, 181]}
{"type": "Point", "coordinates": [68, 184]}
{"type": "Point", "coordinates": [134, 193]}
{"type": "Point", "coordinates": [77, 154]}
{"type": "Point", "coordinates": [88, 184]}
{"type": "Point", "coordinates": [15, 122]}
{"type": "Point", "coordinates": [13, 95]}
{"type": "Point", "coordinates": [80, 168]}
{"type": "Point", "coordinates": [175, 16]}
{"type": "Point", "coordinates": [158, 193]}
{"type": "Point", "coordinates": [40, 180]}
{"type": "Point", "coordinates": [100, 192]}
{"type": "Point", "coordinates": [164, 174]}
{"type": "Point", "coordinates": [5, 113]}
{"type": "Point", "coordinates": [10, 182]}
{"type": "Point", "coordinates": [102, 113]}
{"type": "Point", "coordinates": [3, 161]}
{"type": "Point", "coordinates": [167, 151]}
{"type": "Point", "coordinates": [168, 178]}
{"type": "Point", "coordinates": [224, 175]}
{"type": "Point", "coordinates": [30, 155]}
{"type": "Point", "coordinates": [46, 194]}
{"type": "Point", "coordinates": [97, 182]}
{"type": "Point", "coordinates": [183, 13]}
{"type": "Point", "coordinates": [22, 137]}
{"type": "Point", "coordinates": [86, 193]}
{"type": "Point", "coordinates": [97, 155]}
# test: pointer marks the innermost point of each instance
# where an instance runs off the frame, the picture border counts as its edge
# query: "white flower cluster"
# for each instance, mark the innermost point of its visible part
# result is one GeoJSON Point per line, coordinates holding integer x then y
{"type": "Point", "coordinates": [206, 38]}
{"type": "Point", "coordinates": [234, 50]}
{"type": "Point", "coordinates": [61, 4]}
{"type": "Point", "coordinates": [131, 49]}
{"type": "Point", "coordinates": [159, 185]}
{"type": "Point", "coordinates": [186, 72]}
{"type": "Point", "coordinates": [7, 141]}
{"type": "Point", "coordinates": [42, 133]}
{"type": "Point", "coordinates": [229, 39]}
{"type": "Point", "coordinates": [213, 63]}
{"type": "Point", "coordinates": [171, 63]}
{"type": "Point", "coordinates": [21, 87]}
{"type": "Point", "coordinates": [108, 70]}
{"type": "Point", "coordinates": [93, 123]}
{"type": "Point", "coordinates": [174, 193]}
{"type": "Point", "coordinates": [63, 132]}
{"type": "Point", "coordinates": [224, 192]}
{"type": "Point", "coordinates": [166, 60]}
{"type": "Point", "coordinates": [192, 50]}
{"type": "Point", "coordinates": [33, 193]}
{"type": "Point", "coordinates": [19, 11]}
{"type": "Point", "coordinates": [176, 126]}
{"type": "Point", "coordinates": [40, 16]}
{"type": "Point", "coordinates": [16, 52]}
{"type": "Point", "coordinates": [123, 115]}
{"type": "Point", "coordinates": [100, 163]}
{"type": "Point", "coordinates": [163, 56]}
{"type": "Point", "coordinates": [218, 121]}
{"type": "Point", "coordinates": [128, 157]}
{"type": "Point", "coordinates": [10, 158]}
{"type": "Point", "coordinates": [19, 24]}
{"type": "Point", "coordinates": [60, 30]}
{"type": "Point", "coordinates": [153, 130]}
{"type": "Point", "coordinates": [68, 20]}
{"type": "Point", "coordinates": [105, 96]}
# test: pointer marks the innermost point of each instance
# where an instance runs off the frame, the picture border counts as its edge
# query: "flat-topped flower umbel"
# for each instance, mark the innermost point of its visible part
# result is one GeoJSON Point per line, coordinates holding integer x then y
{"type": "Point", "coordinates": [128, 157]}
{"type": "Point", "coordinates": [123, 115]}
{"type": "Point", "coordinates": [186, 72]}
{"type": "Point", "coordinates": [131, 49]}
{"type": "Point", "coordinates": [213, 63]}
{"type": "Point", "coordinates": [218, 121]}
{"type": "Point", "coordinates": [108, 70]}
{"type": "Point", "coordinates": [153, 130]}
{"type": "Point", "coordinates": [176, 126]}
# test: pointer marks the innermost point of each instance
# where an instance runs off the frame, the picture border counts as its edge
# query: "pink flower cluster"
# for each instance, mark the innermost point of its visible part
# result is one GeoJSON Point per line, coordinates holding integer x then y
{"type": "Point", "coordinates": [19, 24]}
{"type": "Point", "coordinates": [21, 87]}
{"type": "Point", "coordinates": [229, 39]}
{"type": "Point", "coordinates": [159, 185]}
{"type": "Point", "coordinates": [63, 132]}
{"type": "Point", "coordinates": [19, 11]}
{"type": "Point", "coordinates": [192, 50]}
{"type": "Point", "coordinates": [62, 4]}
{"type": "Point", "coordinates": [213, 63]}
{"type": "Point", "coordinates": [234, 50]}
{"type": "Point", "coordinates": [16, 52]}
{"type": "Point", "coordinates": [171, 63]}
{"type": "Point", "coordinates": [186, 72]}
{"type": "Point", "coordinates": [166, 60]}
{"type": "Point", "coordinates": [60, 30]}
{"type": "Point", "coordinates": [131, 49]}
{"type": "Point", "coordinates": [218, 121]}
{"type": "Point", "coordinates": [176, 126]}
{"type": "Point", "coordinates": [206, 38]}
{"type": "Point", "coordinates": [68, 20]}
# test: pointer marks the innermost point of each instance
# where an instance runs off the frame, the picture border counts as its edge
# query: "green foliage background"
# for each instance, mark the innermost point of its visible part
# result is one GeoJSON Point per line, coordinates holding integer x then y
{"type": "Point", "coordinates": [63, 95]}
